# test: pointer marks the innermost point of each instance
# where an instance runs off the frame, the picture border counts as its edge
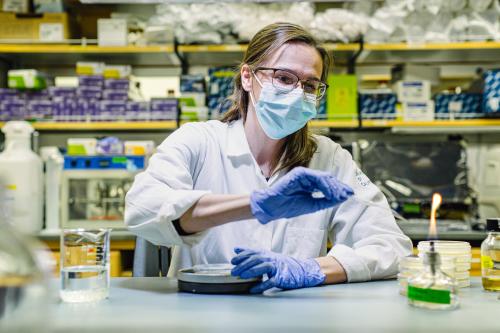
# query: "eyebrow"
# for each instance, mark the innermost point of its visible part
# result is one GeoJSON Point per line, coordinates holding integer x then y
{"type": "Point", "coordinates": [292, 71]}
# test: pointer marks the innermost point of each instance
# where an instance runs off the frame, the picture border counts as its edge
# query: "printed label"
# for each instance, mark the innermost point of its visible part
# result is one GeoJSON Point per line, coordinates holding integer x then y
{"type": "Point", "coordinates": [362, 179]}
{"type": "Point", "coordinates": [429, 295]}
{"type": "Point", "coordinates": [486, 262]}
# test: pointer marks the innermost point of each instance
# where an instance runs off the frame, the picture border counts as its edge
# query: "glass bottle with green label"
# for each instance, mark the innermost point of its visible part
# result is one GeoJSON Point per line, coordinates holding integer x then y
{"type": "Point", "coordinates": [490, 256]}
{"type": "Point", "coordinates": [432, 289]}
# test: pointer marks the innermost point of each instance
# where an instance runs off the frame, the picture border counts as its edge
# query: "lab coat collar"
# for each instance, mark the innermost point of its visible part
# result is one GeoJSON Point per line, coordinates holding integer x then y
{"type": "Point", "coordinates": [237, 144]}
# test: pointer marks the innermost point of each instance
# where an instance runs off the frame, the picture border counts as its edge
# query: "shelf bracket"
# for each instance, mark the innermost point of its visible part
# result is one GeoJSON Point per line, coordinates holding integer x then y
{"type": "Point", "coordinates": [351, 63]}
{"type": "Point", "coordinates": [182, 58]}
{"type": "Point", "coordinates": [351, 69]}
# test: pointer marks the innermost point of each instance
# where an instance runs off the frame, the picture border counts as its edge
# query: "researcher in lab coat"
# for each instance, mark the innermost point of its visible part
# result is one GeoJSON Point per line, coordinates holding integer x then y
{"type": "Point", "coordinates": [258, 190]}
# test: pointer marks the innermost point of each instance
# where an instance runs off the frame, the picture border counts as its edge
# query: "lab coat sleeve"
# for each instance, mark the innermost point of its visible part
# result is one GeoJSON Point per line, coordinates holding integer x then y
{"type": "Point", "coordinates": [164, 191]}
{"type": "Point", "coordinates": [367, 242]}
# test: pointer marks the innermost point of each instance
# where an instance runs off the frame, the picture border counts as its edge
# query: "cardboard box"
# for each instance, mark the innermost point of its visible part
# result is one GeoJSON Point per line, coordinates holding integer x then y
{"type": "Point", "coordinates": [15, 6]}
{"type": "Point", "coordinates": [413, 91]}
{"type": "Point", "coordinates": [419, 111]}
{"type": "Point", "coordinates": [342, 97]}
{"type": "Point", "coordinates": [458, 106]}
{"type": "Point", "coordinates": [377, 105]}
{"type": "Point", "coordinates": [112, 32]}
{"type": "Point", "coordinates": [46, 27]}
{"type": "Point", "coordinates": [26, 79]}
{"type": "Point", "coordinates": [491, 94]}
{"type": "Point", "coordinates": [89, 68]}
{"type": "Point", "coordinates": [117, 71]}
{"type": "Point", "coordinates": [48, 6]}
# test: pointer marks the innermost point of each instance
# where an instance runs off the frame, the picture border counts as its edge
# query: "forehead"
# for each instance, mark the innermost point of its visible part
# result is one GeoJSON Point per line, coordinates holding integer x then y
{"type": "Point", "coordinates": [301, 58]}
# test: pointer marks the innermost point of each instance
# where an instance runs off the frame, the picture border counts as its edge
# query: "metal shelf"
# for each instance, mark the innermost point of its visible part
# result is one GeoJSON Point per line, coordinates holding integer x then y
{"type": "Point", "coordinates": [64, 48]}
{"type": "Point", "coordinates": [437, 126]}
{"type": "Point", "coordinates": [334, 123]}
{"type": "Point", "coordinates": [482, 123]}
{"type": "Point", "coordinates": [88, 49]}
{"type": "Point", "coordinates": [432, 46]}
{"type": "Point", "coordinates": [104, 126]}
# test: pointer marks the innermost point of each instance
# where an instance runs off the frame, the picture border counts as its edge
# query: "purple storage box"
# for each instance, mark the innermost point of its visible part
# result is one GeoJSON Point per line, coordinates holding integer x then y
{"type": "Point", "coordinates": [164, 104]}
{"type": "Point", "coordinates": [112, 110]}
{"type": "Point", "coordinates": [164, 108]}
{"type": "Point", "coordinates": [112, 106]}
{"type": "Point", "coordinates": [115, 95]}
{"type": "Point", "coordinates": [89, 92]}
{"type": "Point", "coordinates": [117, 84]}
{"type": "Point", "coordinates": [137, 111]}
{"type": "Point", "coordinates": [7, 94]}
{"type": "Point", "coordinates": [137, 106]}
{"type": "Point", "coordinates": [63, 108]}
{"type": "Point", "coordinates": [67, 92]}
{"type": "Point", "coordinates": [91, 81]}
{"type": "Point", "coordinates": [40, 109]}
{"type": "Point", "coordinates": [13, 109]}
{"type": "Point", "coordinates": [38, 95]}
{"type": "Point", "coordinates": [87, 108]}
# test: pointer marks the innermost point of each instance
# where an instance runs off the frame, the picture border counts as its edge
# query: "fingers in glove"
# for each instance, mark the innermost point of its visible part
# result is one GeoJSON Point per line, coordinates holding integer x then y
{"type": "Point", "coordinates": [247, 264]}
{"type": "Point", "coordinates": [342, 191]}
{"type": "Point", "coordinates": [259, 270]}
{"type": "Point", "coordinates": [242, 255]}
{"type": "Point", "coordinates": [261, 287]}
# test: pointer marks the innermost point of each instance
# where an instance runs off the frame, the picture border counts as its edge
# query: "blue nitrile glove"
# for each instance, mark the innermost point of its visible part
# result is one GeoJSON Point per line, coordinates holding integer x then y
{"type": "Point", "coordinates": [282, 271]}
{"type": "Point", "coordinates": [292, 195]}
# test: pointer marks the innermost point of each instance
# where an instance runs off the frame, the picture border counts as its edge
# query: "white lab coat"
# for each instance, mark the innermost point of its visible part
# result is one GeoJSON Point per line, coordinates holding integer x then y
{"type": "Point", "coordinates": [214, 157]}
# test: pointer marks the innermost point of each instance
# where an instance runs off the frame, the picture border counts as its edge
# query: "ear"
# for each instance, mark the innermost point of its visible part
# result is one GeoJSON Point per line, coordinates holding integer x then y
{"type": "Point", "coordinates": [246, 78]}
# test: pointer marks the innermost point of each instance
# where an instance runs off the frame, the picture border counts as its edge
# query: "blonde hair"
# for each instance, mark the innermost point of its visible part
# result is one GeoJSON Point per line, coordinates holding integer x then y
{"type": "Point", "coordinates": [300, 146]}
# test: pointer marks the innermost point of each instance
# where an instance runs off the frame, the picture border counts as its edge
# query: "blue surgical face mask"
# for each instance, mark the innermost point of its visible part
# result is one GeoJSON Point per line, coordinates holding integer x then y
{"type": "Point", "coordinates": [281, 114]}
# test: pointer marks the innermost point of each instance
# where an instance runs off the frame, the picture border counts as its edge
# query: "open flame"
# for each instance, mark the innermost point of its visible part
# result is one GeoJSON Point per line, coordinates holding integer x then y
{"type": "Point", "coordinates": [436, 202]}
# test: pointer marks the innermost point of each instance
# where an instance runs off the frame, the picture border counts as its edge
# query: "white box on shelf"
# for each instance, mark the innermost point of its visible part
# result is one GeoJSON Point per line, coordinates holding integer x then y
{"type": "Point", "coordinates": [418, 111]}
{"type": "Point", "coordinates": [16, 6]}
{"type": "Point", "coordinates": [413, 91]}
{"type": "Point", "coordinates": [89, 68]}
{"type": "Point", "coordinates": [51, 32]}
{"type": "Point", "coordinates": [81, 146]}
{"type": "Point", "coordinates": [134, 147]}
{"type": "Point", "coordinates": [112, 32]}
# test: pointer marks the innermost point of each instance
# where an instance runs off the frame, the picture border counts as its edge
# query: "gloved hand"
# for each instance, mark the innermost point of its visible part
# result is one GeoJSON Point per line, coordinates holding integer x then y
{"type": "Point", "coordinates": [282, 271]}
{"type": "Point", "coordinates": [292, 195]}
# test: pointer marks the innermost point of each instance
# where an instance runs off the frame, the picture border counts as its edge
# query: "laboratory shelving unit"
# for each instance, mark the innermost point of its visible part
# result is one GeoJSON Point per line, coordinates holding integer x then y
{"type": "Point", "coordinates": [396, 126]}
{"type": "Point", "coordinates": [183, 56]}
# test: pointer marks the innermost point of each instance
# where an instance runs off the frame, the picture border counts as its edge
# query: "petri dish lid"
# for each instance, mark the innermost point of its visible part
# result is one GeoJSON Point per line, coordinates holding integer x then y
{"type": "Point", "coordinates": [211, 273]}
{"type": "Point", "coordinates": [416, 262]}
{"type": "Point", "coordinates": [445, 246]}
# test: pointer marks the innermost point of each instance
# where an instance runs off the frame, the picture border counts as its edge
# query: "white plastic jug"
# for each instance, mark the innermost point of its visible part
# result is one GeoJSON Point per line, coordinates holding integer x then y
{"type": "Point", "coordinates": [21, 179]}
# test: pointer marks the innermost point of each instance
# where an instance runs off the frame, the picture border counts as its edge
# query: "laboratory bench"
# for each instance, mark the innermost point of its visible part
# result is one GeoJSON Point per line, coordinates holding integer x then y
{"type": "Point", "coordinates": [155, 305]}
{"type": "Point", "coordinates": [123, 244]}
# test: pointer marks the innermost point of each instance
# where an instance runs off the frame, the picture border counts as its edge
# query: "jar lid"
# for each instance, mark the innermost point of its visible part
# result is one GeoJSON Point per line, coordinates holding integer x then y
{"type": "Point", "coordinates": [493, 224]}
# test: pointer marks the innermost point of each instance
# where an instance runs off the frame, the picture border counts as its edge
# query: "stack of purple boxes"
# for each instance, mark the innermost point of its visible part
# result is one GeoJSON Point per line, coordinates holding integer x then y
{"type": "Point", "coordinates": [29, 105]}
{"type": "Point", "coordinates": [12, 104]}
{"type": "Point", "coordinates": [97, 98]}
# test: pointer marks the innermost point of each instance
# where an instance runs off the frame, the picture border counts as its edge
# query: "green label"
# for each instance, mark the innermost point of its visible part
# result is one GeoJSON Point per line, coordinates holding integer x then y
{"type": "Point", "coordinates": [76, 150]}
{"type": "Point", "coordinates": [119, 160]}
{"type": "Point", "coordinates": [411, 208]}
{"type": "Point", "coordinates": [429, 295]}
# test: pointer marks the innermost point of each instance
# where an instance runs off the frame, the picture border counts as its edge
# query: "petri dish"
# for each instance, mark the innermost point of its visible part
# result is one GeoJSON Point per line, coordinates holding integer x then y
{"type": "Point", "coordinates": [213, 279]}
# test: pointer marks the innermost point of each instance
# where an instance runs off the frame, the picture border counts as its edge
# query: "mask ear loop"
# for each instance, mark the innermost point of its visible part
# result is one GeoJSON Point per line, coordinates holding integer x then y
{"type": "Point", "coordinates": [252, 97]}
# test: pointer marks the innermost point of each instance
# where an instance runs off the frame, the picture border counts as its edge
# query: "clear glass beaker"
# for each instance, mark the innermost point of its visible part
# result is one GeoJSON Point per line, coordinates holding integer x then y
{"type": "Point", "coordinates": [84, 265]}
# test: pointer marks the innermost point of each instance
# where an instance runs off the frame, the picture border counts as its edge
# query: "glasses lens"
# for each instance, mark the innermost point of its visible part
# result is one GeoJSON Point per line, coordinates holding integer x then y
{"type": "Point", "coordinates": [284, 81]}
{"type": "Point", "coordinates": [315, 88]}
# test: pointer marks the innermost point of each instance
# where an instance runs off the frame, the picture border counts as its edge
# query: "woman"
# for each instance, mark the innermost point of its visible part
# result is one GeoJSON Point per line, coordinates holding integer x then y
{"type": "Point", "coordinates": [258, 190]}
